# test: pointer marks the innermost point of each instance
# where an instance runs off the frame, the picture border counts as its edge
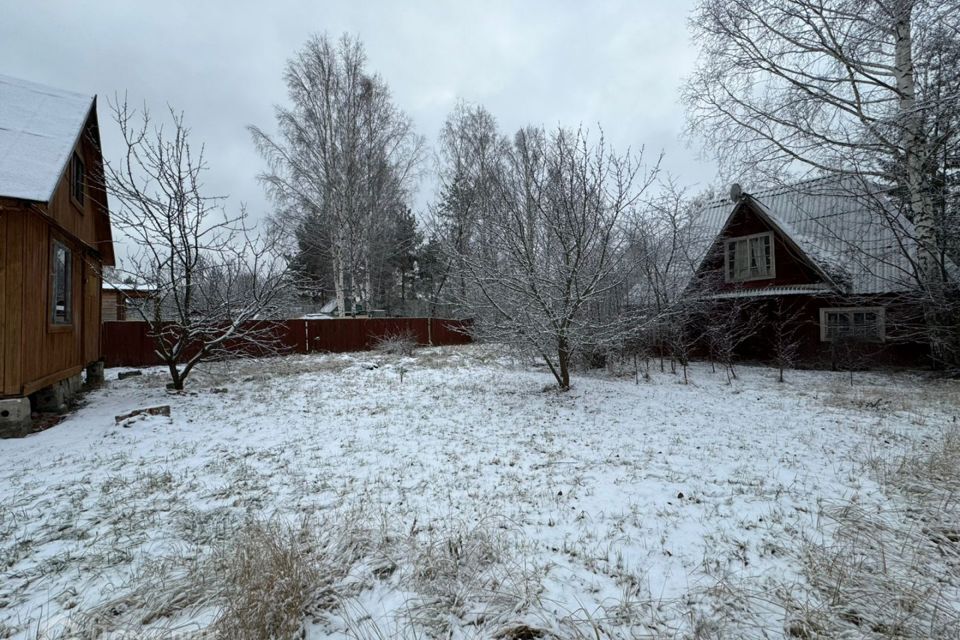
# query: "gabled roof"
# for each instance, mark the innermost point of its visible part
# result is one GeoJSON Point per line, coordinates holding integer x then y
{"type": "Point", "coordinates": [39, 127]}
{"type": "Point", "coordinates": [854, 237]}
{"type": "Point", "coordinates": [128, 287]}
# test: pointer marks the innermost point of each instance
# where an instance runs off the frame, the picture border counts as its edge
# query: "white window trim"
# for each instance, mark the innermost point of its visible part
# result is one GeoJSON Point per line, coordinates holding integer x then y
{"type": "Point", "coordinates": [879, 311]}
{"type": "Point", "coordinates": [74, 161]}
{"type": "Point", "coordinates": [68, 285]}
{"type": "Point", "coordinates": [726, 257]}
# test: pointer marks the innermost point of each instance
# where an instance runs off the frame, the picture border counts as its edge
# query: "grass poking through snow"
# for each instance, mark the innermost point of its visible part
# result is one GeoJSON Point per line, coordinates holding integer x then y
{"type": "Point", "coordinates": [443, 494]}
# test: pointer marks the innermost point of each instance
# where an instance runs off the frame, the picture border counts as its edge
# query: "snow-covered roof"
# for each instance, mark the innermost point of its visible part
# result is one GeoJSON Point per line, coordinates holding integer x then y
{"type": "Point", "coordinates": [39, 127]}
{"type": "Point", "coordinates": [127, 287]}
{"type": "Point", "coordinates": [329, 307]}
{"type": "Point", "coordinates": [855, 238]}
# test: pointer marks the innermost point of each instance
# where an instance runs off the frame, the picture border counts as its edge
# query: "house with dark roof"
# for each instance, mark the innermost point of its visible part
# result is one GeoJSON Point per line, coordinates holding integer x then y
{"type": "Point", "coordinates": [55, 238]}
{"type": "Point", "coordinates": [826, 263]}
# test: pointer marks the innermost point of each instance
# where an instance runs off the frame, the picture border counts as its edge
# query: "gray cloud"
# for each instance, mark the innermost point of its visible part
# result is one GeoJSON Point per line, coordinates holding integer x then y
{"type": "Point", "coordinates": [614, 63]}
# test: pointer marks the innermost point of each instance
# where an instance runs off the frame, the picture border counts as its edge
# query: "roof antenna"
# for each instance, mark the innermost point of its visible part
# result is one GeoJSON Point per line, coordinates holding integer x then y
{"type": "Point", "coordinates": [736, 192]}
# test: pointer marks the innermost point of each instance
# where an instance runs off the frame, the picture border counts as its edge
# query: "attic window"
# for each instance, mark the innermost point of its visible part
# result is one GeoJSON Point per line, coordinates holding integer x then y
{"type": "Point", "coordinates": [77, 179]}
{"type": "Point", "coordinates": [749, 258]}
{"type": "Point", "coordinates": [61, 290]}
{"type": "Point", "coordinates": [852, 323]}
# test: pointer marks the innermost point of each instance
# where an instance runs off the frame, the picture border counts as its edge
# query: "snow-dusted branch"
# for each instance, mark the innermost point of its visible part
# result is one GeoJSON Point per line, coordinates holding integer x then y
{"type": "Point", "coordinates": [212, 282]}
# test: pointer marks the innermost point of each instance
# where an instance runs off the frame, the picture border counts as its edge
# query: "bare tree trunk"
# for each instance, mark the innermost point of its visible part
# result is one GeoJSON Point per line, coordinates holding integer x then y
{"type": "Point", "coordinates": [918, 182]}
{"type": "Point", "coordinates": [338, 276]}
{"type": "Point", "coordinates": [563, 361]}
{"type": "Point", "coordinates": [367, 296]}
{"type": "Point", "coordinates": [176, 380]}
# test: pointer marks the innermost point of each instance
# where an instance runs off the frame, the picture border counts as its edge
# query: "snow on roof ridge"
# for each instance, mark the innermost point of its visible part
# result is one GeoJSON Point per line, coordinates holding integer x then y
{"type": "Point", "coordinates": [39, 127]}
{"type": "Point", "coordinates": [786, 188]}
{"type": "Point", "coordinates": [832, 224]}
{"type": "Point", "coordinates": [43, 88]}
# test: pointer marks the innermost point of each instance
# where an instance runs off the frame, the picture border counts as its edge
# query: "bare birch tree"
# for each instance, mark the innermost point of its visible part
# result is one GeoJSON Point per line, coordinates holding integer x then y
{"type": "Point", "coordinates": [836, 87]}
{"type": "Point", "coordinates": [343, 160]}
{"type": "Point", "coordinates": [210, 277]}
{"type": "Point", "coordinates": [470, 162]}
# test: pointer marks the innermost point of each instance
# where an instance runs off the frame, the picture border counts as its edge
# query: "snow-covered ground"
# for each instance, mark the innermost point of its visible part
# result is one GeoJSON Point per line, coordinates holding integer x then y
{"type": "Point", "coordinates": [488, 502]}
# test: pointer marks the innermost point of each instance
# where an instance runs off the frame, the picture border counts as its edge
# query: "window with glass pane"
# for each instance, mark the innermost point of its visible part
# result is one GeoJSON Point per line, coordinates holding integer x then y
{"type": "Point", "coordinates": [750, 258]}
{"type": "Point", "coordinates": [861, 323]}
{"type": "Point", "coordinates": [78, 176]}
{"type": "Point", "coordinates": [61, 260]}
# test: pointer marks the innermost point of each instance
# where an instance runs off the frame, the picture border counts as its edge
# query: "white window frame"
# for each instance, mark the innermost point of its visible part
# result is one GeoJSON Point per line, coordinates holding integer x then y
{"type": "Point", "coordinates": [78, 180]}
{"type": "Point", "coordinates": [726, 257]}
{"type": "Point", "coordinates": [879, 311]}
{"type": "Point", "coordinates": [67, 315]}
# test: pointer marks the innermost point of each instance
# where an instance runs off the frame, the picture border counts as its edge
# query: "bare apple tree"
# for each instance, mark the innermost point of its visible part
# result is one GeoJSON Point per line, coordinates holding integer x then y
{"type": "Point", "coordinates": [730, 323]}
{"type": "Point", "coordinates": [784, 335]}
{"type": "Point", "coordinates": [212, 281]}
{"type": "Point", "coordinates": [551, 244]}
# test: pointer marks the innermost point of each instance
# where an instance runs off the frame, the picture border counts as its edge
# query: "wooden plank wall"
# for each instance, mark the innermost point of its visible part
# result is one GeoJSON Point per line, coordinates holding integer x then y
{"type": "Point", "coordinates": [74, 219]}
{"type": "Point", "coordinates": [33, 353]}
{"type": "Point", "coordinates": [48, 350]}
{"type": "Point", "coordinates": [11, 228]}
{"type": "Point", "coordinates": [789, 268]}
{"type": "Point", "coordinates": [92, 290]}
{"type": "Point", "coordinates": [111, 308]}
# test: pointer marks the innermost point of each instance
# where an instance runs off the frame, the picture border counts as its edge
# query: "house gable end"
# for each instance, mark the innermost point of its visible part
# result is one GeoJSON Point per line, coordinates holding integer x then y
{"type": "Point", "coordinates": [790, 265]}
{"type": "Point", "coordinates": [86, 220]}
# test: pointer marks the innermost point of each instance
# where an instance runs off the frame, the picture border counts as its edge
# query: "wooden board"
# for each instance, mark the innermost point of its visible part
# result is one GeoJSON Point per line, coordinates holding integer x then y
{"type": "Point", "coordinates": [12, 299]}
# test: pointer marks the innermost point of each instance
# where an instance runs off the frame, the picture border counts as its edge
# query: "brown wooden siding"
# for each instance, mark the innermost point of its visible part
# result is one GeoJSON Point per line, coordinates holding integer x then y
{"type": "Point", "coordinates": [80, 222]}
{"type": "Point", "coordinates": [33, 352]}
{"type": "Point", "coordinates": [48, 348]}
{"type": "Point", "coordinates": [92, 285]}
{"type": "Point", "coordinates": [790, 267]}
{"type": "Point", "coordinates": [902, 345]}
{"type": "Point", "coordinates": [110, 307]}
{"type": "Point", "coordinates": [11, 228]}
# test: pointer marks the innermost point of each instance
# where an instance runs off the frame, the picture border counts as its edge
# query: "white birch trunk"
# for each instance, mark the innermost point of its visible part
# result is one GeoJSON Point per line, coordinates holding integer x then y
{"type": "Point", "coordinates": [921, 206]}
{"type": "Point", "coordinates": [338, 275]}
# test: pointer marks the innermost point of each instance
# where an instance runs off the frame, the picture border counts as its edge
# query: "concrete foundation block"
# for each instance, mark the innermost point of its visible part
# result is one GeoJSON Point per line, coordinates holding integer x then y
{"type": "Point", "coordinates": [74, 385]}
{"type": "Point", "coordinates": [95, 373]}
{"type": "Point", "coordinates": [15, 417]}
{"type": "Point", "coordinates": [52, 399]}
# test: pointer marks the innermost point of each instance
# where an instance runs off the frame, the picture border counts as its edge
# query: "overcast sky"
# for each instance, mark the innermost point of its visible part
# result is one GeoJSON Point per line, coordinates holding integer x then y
{"type": "Point", "coordinates": [617, 63]}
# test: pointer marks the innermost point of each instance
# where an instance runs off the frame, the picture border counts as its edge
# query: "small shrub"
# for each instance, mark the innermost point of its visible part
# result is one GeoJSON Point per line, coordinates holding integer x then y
{"type": "Point", "coordinates": [401, 343]}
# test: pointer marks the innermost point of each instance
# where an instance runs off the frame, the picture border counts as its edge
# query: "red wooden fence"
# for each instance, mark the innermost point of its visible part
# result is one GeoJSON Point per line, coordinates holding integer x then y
{"type": "Point", "coordinates": [130, 344]}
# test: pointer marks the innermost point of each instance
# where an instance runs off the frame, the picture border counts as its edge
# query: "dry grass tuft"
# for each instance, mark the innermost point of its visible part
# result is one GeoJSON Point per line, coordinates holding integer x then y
{"type": "Point", "coordinates": [890, 573]}
{"type": "Point", "coordinates": [473, 575]}
{"type": "Point", "coordinates": [268, 577]}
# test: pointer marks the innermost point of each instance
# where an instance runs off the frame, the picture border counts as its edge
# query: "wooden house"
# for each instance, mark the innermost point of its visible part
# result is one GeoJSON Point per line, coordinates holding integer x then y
{"type": "Point", "coordinates": [55, 238]}
{"type": "Point", "coordinates": [122, 301]}
{"type": "Point", "coordinates": [822, 264]}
